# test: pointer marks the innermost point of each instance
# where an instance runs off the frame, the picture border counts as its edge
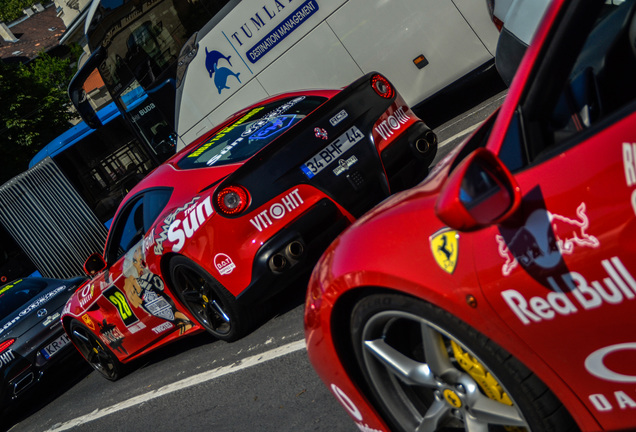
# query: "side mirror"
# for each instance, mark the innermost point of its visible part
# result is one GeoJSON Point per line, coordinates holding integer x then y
{"type": "Point", "coordinates": [94, 264]}
{"type": "Point", "coordinates": [480, 192]}
{"type": "Point", "coordinates": [76, 89]}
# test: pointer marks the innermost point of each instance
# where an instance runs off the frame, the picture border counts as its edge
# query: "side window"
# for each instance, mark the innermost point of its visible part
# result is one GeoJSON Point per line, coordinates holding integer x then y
{"type": "Point", "coordinates": [154, 203]}
{"type": "Point", "coordinates": [601, 80]}
{"type": "Point", "coordinates": [128, 230]}
{"type": "Point", "coordinates": [135, 220]}
{"type": "Point", "coordinates": [583, 80]}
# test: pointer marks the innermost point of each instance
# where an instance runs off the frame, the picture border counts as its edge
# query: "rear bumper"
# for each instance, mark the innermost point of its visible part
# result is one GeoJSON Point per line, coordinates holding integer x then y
{"type": "Point", "coordinates": [313, 231]}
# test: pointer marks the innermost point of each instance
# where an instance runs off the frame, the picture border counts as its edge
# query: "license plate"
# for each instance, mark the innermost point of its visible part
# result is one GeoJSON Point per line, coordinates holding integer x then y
{"type": "Point", "coordinates": [329, 154]}
{"type": "Point", "coordinates": [52, 348]}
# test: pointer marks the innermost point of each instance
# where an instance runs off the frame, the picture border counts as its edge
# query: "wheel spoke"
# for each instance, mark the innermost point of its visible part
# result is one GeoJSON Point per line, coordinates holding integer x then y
{"type": "Point", "coordinates": [405, 368]}
{"type": "Point", "coordinates": [489, 411]}
{"type": "Point", "coordinates": [191, 295]}
{"type": "Point", "coordinates": [220, 311]}
{"type": "Point", "coordinates": [436, 354]}
{"type": "Point", "coordinates": [433, 417]}
{"type": "Point", "coordinates": [471, 424]}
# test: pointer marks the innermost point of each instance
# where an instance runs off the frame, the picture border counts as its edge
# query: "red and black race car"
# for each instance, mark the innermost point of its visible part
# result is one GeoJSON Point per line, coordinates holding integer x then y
{"type": "Point", "coordinates": [231, 219]}
{"type": "Point", "coordinates": [500, 293]}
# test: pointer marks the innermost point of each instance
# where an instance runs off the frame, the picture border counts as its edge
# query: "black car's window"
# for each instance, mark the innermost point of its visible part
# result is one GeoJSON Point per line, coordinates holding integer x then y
{"type": "Point", "coordinates": [584, 79]}
{"type": "Point", "coordinates": [16, 294]}
{"type": "Point", "coordinates": [250, 133]}
{"type": "Point", "coordinates": [135, 220]}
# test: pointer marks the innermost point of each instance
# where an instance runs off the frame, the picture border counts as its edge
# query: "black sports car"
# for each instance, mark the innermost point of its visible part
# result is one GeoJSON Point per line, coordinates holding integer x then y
{"type": "Point", "coordinates": [31, 333]}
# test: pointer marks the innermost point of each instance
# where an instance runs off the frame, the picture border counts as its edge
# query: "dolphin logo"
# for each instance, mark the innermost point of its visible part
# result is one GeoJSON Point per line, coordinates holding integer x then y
{"type": "Point", "coordinates": [212, 59]}
{"type": "Point", "coordinates": [220, 75]}
{"type": "Point", "coordinates": [220, 78]}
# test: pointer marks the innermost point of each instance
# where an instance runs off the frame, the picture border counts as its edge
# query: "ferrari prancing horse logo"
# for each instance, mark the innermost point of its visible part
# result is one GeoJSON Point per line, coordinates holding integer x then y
{"type": "Point", "coordinates": [445, 245]}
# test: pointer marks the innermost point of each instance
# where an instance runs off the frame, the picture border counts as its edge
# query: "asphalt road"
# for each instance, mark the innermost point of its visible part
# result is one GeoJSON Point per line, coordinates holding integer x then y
{"type": "Point", "coordinates": [262, 382]}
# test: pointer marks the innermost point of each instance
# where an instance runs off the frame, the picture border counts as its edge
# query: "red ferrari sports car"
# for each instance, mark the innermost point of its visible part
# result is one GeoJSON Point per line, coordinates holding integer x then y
{"type": "Point", "coordinates": [230, 220]}
{"type": "Point", "coordinates": [500, 293]}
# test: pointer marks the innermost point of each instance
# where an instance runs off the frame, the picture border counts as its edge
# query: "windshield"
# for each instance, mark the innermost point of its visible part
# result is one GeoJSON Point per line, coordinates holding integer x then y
{"type": "Point", "coordinates": [143, 39]}
{"type": "Point", "coordinates": [17, 293]}
{"type": "Point", "coordinates": [250, 133]}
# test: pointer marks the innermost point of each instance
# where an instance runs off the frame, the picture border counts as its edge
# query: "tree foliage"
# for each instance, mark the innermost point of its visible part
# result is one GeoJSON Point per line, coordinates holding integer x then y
{"type": "Point", "coordinates": [34, 110]}
{"type": "Point", "coordinates": [12, 9]}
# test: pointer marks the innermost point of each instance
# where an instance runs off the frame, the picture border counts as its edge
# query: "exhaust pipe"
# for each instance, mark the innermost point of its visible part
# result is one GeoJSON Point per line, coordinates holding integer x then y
{"type": "Point", "coordinates": [294, 250]}
{"type": "Point", "coordinates": [277, 263]}
{"type": "Point", "coordinates": [288, 257]}
{"type": "Point", "coordinates": [423, 145]}
{"type": "Point", "coordinates": [23, 383]}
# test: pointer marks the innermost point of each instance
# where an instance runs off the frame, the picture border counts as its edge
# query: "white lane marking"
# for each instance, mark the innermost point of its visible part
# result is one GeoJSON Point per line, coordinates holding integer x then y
{"type": "Point", "coordinates": [458, 135]}
{"type": "Point", "coordinates": [496, 102]}
{"type": "Point", "coordinates": [183, 384]}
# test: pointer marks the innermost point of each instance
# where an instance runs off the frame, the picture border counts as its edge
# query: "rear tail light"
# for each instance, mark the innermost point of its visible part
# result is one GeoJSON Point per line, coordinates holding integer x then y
{"type": "Point", "coordinates": [382, 86]}
{"type": "Point", "coordinates": [232, 200]}
{"type": "Point", "coordinates": [491, 10]}
{"type": "Point", "coordinates": [4, 345]}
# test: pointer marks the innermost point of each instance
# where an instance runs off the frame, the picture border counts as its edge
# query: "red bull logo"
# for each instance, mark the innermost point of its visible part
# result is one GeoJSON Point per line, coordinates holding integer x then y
{"type": "Point", "coordinates": [544, 239]}
{"type": "Point", "coordinates": [573, 292]}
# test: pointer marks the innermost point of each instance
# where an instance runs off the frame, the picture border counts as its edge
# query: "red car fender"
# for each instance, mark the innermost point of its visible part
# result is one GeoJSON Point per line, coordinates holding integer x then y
{"type": "Point", "coordinates": [458, 293]}
{"type": "Point", "coordinates": [392, 123]}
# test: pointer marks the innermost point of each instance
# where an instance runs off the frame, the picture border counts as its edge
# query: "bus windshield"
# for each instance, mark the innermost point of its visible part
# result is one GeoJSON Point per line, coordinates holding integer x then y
{"type": "Point", "coordinates": [141, 41]}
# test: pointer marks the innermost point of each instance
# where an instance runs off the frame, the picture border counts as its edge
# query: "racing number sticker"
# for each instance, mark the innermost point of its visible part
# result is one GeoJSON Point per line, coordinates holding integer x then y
{"type": "Point", "coordinates": [117, 298]}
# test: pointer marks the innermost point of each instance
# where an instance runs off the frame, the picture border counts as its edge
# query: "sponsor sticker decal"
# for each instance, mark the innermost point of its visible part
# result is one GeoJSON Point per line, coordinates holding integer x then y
{"type": "Point", "coordinates": [50, 319]}
{"type": "Point", "coordinates": [596, 365]}
{"type": "Point", "coordinates": [445, 247]}
{"type": "Point", "coordinates": [344, 165]}
{"type": "Point", "coordinates": [118, 299]}
{"type": "Point", "coordinates": [36, 304]}
{"type": "Point", "coordinates": [351, 408]}
{"type": "Point", "coordinates": [88, 321]}
{"type": "Point", "coordinates": [111, 335]}
{"type": "Point", "coordinates": [86, 295]}
{"type": "Point", "coordinates": [224, 264]}
{"type": "Point", "coordinates": [338, 118]}
{"type": "Point", "coordinates": [321, 133]}
{"type": "Point", "coordinates": [162, 327]}
{"type": "Point", "coordinates": [6, 358]}
{"type": "Point", "coordinates": [544, 239]}
{"type": "Point", "coordinates": [278, 210]}
{"type": "Point", "coordinates": [188, 223]}
{"type": "Point", "coordinates": [604, 363]}
{"type": "Point", "coordinates": [629, 164]}
{"type": "Point", "coordinates": [392, 123]}
{"type": "Point", "coordinates": [573, 292]}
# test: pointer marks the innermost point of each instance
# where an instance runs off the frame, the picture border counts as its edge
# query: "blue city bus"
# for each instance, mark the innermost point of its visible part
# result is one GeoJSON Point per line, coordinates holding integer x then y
{"type": "Point", "coordinates": [102, 164]}
{"type": "Point", "coordinates": [57, 212]}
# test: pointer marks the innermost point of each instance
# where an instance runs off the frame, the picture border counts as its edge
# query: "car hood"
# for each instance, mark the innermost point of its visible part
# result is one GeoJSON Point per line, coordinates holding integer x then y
{"type": "Point", "coordinates": [41, 310]}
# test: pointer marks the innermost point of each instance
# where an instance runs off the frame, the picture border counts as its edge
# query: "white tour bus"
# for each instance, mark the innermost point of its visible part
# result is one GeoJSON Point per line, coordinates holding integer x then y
{"type": "Point", "coordinates": [210, 58]}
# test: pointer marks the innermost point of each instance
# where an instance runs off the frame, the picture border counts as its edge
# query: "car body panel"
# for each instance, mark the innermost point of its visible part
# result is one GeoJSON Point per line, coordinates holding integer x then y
{"type": "Point", "coordinates": [554, 284]}
{"type": "Point", "coordinates": [313, 177]}
{"type": "Point", "coordinates": [40, 340]}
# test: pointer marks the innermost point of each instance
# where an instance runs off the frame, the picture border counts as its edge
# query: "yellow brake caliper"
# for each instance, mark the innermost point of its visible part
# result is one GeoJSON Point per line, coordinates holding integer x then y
{"type": "Point", "coordinates": [484, 379]}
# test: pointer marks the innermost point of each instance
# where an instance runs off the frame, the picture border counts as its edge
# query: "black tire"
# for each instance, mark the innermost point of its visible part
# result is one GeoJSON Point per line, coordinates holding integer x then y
{"type": "Point", "coordinates": [95, 352]}
{"type": "Point", "coordinates": [427, 370]}
{"type": "Point", "coordinates": [214, 308]}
